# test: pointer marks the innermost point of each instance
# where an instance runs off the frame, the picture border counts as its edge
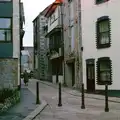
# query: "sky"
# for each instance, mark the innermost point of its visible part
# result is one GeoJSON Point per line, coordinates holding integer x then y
{"type": "Point", "coordinates": [31, 9]}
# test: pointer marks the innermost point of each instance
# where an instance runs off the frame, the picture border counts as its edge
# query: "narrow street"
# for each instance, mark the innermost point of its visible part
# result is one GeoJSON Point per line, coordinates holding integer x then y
{"type": "Point", "coordinates": [71, 109]}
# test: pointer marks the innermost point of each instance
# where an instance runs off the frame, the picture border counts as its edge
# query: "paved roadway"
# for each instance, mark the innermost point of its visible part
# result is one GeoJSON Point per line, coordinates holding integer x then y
{"type": "Point", "coordinates": [71, 109]}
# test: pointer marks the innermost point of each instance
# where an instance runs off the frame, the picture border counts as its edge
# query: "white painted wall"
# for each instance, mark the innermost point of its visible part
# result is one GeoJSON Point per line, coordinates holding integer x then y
{"type": "Point", "coordinates": [56, 22]}
{"type": "Point", "coordinates": [16, 35]}
{"type": "Point", "coordinates": [90, 13]}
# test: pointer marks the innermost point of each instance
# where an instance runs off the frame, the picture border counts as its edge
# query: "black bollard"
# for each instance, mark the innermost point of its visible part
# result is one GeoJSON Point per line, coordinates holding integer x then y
{"type": "Point", "coordinates": [106, 98]}
{"type": "Point", "coordinates": [82, 98]}
{"type": "Point", "coordinates": [37, 93]}
{"type": "Point", "coordinates": [60, 99]}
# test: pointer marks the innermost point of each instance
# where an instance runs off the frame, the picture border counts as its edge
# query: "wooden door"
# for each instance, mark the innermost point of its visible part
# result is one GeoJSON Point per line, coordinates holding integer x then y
{"type": "Point", "coordinates": [90, 75]}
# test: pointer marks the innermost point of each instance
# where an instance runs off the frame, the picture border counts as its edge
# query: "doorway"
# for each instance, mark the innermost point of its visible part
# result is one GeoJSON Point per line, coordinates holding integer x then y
{"type": "Point", "coordinates": [90, 75]}
{"type": "Point", "coordinates": [73, 73]}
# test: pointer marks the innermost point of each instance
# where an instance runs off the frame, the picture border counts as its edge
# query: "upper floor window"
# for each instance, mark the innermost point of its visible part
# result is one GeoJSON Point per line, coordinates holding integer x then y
{"type": "Point", "coordinates": [100, 1]}
{"type": "Point", "coordinates": [52, 18]}
{"type": "Point", "coordinates": [5, 29]}
{"type": "Point", "coordinates": [103, 32]}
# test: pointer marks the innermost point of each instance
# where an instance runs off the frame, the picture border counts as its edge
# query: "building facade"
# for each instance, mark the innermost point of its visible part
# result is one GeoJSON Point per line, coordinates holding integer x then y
{"type": "Point", "coordinates": [100, 36]}
{"type": "Point", "coordinates": [54, 33]}
{"type": "Point", "coordinates": [40, 47]}
{"type": "Point", "coordinates": [72, 43]}
{"type": "Point", "coordinates": [30, 52]}
{"type": "Point", "coordinates": [63, 28]}
{"type": "Point", "coordinates": [11, 34]}
{"type": "Point", "coordinates": [26, 61]}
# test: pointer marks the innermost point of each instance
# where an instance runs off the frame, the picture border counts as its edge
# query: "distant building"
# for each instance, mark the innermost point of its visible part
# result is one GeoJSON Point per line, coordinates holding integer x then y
{"type": "Point", "coordinates": [31, 56]}
{"type": "Point", "coordinates": [40, 47]}
{"type": "Point", "coordinates": [11, 36]}
{"type": "Point", "coordinates": [25, 61]}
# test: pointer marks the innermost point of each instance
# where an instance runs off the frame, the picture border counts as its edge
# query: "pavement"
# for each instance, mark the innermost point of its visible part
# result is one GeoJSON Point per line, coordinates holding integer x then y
{"type": "Point", "coordinates": [22, 109]}
{"type": "Point", "coordinates": [71, 104]}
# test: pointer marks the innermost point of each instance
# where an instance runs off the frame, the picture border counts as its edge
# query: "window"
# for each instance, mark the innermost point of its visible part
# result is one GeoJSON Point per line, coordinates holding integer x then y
{"type": "Point", "coordinates": [103, 32]}
{"type": "Point", "coordinates": [104, 74]}
{"type": "Point", "coordinates": [5, 29]}
{"type": "Point", "coordinates": [52, 18]}
{"type": "Point", "coordinates": [100, 1]}
{"type": "Point", "coordinates": [42, 18]}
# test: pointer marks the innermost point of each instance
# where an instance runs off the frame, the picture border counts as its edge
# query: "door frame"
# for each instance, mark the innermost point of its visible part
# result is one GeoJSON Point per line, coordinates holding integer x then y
{"type": "Point", "coordinates": [90, 63]}
{"type": "Point", "coordinates": [73, 73]}
{"type": "Point", "coordinates": [71, 64]}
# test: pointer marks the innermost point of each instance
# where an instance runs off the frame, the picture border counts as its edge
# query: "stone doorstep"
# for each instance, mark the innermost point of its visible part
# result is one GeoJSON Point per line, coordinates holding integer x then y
{"type": "Point", "coordinates": [93, 96]}
{"type": "Point", "coordinates": [39, 109]}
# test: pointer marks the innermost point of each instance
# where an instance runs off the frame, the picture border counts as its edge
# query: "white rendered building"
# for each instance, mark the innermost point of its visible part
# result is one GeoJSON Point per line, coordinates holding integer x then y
{"type": "Point", "coordinates": [100, 40]}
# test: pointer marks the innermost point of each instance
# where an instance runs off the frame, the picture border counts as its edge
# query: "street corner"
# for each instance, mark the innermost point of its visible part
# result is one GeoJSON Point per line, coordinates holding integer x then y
{"type": "Point", "coordinates": [37, 111]}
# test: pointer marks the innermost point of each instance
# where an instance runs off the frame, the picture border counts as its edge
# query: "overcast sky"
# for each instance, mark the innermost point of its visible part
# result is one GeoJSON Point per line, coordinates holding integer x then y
{"type": "Point", "coordinates": [32, 8]}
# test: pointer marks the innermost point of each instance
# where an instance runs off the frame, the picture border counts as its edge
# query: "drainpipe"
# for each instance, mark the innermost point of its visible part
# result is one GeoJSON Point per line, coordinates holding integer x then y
{"type": "Point", "coordinates": [80, 44]}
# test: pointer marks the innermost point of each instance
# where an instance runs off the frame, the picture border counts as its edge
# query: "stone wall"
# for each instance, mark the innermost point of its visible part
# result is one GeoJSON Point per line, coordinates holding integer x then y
{"type": "Point", "coordinates": [8, 72]}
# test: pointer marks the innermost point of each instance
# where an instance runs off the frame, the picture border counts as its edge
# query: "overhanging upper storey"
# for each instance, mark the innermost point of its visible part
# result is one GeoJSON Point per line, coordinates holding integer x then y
{"type": "Point", "coordinates": [53, 14]}
{"type": "Point", "coordinates": [53, 7]}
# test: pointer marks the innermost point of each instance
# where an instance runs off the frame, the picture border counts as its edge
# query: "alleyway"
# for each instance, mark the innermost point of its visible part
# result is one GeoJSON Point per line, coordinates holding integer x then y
{"type": "Point", "coordinates": [71, 109]}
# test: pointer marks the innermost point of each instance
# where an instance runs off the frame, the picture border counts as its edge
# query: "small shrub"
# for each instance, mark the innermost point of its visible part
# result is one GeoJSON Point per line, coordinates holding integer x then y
{"type": "Point", "coordinates": [6, 93]}
{"type": "Point", "coordinates": [10, 101]}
